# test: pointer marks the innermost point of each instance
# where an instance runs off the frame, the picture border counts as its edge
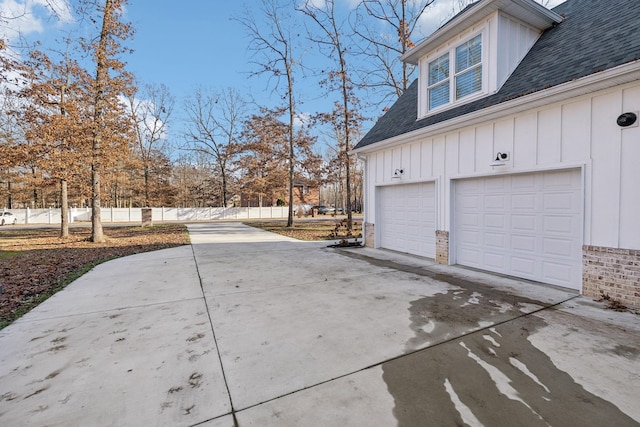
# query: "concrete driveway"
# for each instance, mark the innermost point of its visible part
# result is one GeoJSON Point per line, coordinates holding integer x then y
{"type": "Point", "coordinates": [248, 328]}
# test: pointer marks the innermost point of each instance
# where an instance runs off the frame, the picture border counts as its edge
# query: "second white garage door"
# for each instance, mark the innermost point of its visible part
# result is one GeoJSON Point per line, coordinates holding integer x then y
{"type": "Point", "coordinates": [525, 225]}
{"type": "Point", "coordinates": [406, 218]}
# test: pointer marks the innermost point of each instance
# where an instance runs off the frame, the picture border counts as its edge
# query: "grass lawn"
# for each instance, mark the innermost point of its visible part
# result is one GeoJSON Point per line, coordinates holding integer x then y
{"type": "Point", "coordinates": [310, 229]}
{"type": "Point", "coordinates": [36, 263]}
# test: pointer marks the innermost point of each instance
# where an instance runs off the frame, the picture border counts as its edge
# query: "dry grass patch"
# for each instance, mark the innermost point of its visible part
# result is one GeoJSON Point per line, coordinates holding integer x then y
{"type": "Point", "coordinates": [321, 229]}
{"type": "Point", "coordinates": [36, 263]}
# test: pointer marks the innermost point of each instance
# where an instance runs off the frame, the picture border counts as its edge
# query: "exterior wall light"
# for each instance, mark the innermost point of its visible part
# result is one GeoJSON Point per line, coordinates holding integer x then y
{"type": "Point", "coordinates": [398, 173]}
{"type": "Point", "coordinates": [500, 159]}
{"type": "Point", "coordinates": [626, 120]}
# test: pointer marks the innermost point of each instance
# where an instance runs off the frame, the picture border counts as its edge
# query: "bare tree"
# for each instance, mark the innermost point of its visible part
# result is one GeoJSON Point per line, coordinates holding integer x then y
{"type": "Point", "coordinates": [151, 110]}
{"type": "Point", "coordinates": [273, 44]}
{"type": "Point", "coordinates": [458, 5]}
{"type": "Point", "coordinates": [344, 118]}
{"type": "Point", "coordinates": [214, 127]}
{"type": "Point", "coordinates": [384, 48]}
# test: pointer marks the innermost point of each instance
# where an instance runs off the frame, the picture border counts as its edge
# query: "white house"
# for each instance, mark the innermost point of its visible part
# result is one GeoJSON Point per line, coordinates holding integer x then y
{"type": "Point", "coordinates": [517, 149]}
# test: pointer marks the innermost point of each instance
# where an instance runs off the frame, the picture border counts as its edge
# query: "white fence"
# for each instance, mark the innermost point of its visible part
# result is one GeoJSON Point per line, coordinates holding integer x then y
{"type": "Point", "coordinates": [52, 216]}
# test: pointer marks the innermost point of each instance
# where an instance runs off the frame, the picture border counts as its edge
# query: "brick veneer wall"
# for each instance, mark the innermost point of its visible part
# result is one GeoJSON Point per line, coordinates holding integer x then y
{"type": "Point", "coordinates": [442, 247]}
{"type": "Point", "coordinates": [369, 235]}
{"type": "Point", "coordinates": [616, 272]}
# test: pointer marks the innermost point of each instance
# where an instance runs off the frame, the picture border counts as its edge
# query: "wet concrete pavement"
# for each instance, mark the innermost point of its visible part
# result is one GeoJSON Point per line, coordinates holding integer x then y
{"type": "Point", "coordinates": [252, 329]}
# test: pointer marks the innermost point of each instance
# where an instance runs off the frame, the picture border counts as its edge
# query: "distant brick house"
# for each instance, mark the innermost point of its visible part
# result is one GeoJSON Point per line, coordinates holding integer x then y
{"type": "Point", "coordinates": [516, 150]}
{"type": "Point", "coordinates": [305, 195]}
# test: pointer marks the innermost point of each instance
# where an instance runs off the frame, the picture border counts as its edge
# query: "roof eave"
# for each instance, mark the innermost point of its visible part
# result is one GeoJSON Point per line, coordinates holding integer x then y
{"type": "Point", "coordinates": [616, 76]}
{"type": "Point", "coordinates": [528, 11]}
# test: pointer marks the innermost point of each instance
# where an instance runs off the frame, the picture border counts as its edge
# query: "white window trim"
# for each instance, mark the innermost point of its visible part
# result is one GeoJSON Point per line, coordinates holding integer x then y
{"type": "Point", "coordinates": [423, 92]}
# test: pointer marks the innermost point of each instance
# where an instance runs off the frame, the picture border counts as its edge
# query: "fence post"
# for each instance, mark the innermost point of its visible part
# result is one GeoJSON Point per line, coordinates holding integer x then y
{"type": "Point", "coordinates": [147, 217]}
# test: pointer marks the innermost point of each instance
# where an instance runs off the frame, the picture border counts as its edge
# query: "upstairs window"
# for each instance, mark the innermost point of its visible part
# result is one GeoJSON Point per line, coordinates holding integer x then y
{"type": "Point", "coordinates": [439, 82]}
{"type": "Point", "coordinates": [456, 74]}
{"type": "Point", "coordinates": [469, 67]}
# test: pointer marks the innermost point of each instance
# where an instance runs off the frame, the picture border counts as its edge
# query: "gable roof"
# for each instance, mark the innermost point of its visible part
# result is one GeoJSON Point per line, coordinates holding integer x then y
{"type": "Point", "coordinates": [528, 11]}
{"type": "Point", "coordinates": [594, 36]}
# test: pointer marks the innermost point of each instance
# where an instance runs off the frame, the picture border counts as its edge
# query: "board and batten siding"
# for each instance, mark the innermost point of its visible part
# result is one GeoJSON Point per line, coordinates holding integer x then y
{"type": "Point", "coordinates": [515, 39]}
{"type": "Point", "coordinates": [581, 132]}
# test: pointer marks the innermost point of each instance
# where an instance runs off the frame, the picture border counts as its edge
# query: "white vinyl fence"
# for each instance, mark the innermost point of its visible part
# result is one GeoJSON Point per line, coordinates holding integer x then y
{"type": "Point", "coordinates": [52, 216]}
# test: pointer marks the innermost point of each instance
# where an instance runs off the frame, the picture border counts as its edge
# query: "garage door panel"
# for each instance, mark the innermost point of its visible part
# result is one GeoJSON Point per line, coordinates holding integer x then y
{"type": "Point", "coordinates": [523, 267]}
{"type": "Point", "coordinates": [410, 225]}
{"type": "Point", "coordinates": [472, 257]}
{"type": "Point", "coordinates": [555, 272]}
{"type": "Point", "coordinates": [496, 240]}
{"type": "Point", "coordinates": [561, 179]}
{"type": "Point", "coordinates": [524, 182]}
{"type": "Point", "coordinates": [469, 201]}
{"type": "Point", "coordinates": [559, 201]}
{"type": "Point", "coordinates": [523, 243]}
{"type": "Point", "coordinates": [495, 202]}
{"type": "Point", "coordinates": [523, 223]}
{"type": "Point", "coordinates": [492, 220]}
{"type": "Point", "coordinates": [559, 224]}
{"type": "Point", "coordinates": [494, 261]}
{"type": "Point", "coordinates": [470, 219]}
{"type": "Point", "coordinates": [558, 247]}
{"type": "Point", "coordinates": [471, 237]}
{"type": "Point", "coordinates": [537, 232]}
{"type": "Point", "coordinates": [497, 185]}
{"type": "Point", "coordinates": [523, 202]}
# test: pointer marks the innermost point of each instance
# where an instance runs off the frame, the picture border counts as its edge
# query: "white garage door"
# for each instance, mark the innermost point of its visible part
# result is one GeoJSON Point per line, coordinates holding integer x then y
{"type": "Point", "coordinates": [524, 225]}
{"type": "Point", "coordinates": [406, 218]}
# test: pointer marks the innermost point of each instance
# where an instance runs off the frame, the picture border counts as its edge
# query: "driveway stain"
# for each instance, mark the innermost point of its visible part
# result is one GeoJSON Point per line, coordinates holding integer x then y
{"type": "Point", "coordinates": [490, 377]}
{"type": "Point", "coordinates": [470, 362]}
{"type": "Point", "coordinates": [460, 311]}
{"type": "Point", "coordinates": [37, 392]}
{"type": "Point", "coordinates": [195, 380]}
{"type": "Point", "coordinates": [631, 353]}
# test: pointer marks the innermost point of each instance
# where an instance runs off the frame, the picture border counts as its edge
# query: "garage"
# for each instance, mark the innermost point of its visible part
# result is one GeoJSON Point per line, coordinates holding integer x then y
{"type": "Point", "coordinates": [522, 225]}
{"type": "Point", "coordinates": [406, 218]}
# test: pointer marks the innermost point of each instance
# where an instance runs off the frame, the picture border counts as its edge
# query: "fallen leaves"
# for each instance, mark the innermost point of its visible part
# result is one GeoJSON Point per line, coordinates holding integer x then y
{"type": "Point", "coordinates": [309, 229]}
{"type": "Point", "coordinates": [36, 263]}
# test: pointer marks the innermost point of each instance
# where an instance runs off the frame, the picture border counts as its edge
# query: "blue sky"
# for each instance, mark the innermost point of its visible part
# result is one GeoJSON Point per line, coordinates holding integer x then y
{"type": "Point", "coordinates": [186, 45]}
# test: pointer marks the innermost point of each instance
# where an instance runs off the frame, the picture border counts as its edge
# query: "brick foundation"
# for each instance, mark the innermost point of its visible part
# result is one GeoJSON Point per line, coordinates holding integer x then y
{"type": "Point", "coordinates": [615, 272]}
{"type": "Point", "coordinates": [442, 247]}
{"type": "Point", "coordinates": [369, 235]}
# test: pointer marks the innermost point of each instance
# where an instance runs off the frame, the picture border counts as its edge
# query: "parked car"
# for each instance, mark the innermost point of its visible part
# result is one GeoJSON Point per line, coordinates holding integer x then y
{"type": "Point", "coordinates": [323, 210]}
{"type": "Point", "coordinates": [8, 218]}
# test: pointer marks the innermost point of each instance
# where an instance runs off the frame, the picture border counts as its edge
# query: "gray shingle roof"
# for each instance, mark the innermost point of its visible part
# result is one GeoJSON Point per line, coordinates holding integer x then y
{"type": "Point", "coordinates": [596, 35]}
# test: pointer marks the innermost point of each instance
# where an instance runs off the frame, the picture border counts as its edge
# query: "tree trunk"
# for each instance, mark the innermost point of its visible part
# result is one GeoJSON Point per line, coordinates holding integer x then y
{"type": "Point", "coordinates": [291, 146]}
{"type": "Point", "coordinates": [224, 187]}
{"type": "Point", "coordinates": [146, 185]}
{"type": "Point", "coordinates": [97, 234]}
{"type": "Point", "coordinates": [64, 210]}
{"type": "Point", "coordinates": [347, 135]}
{"type": "Point", "coordinates": [9, 197]}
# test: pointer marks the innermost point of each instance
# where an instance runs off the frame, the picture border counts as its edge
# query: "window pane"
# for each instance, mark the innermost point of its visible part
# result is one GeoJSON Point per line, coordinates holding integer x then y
{"type": "Point", "coordinates": [469, 53]}
{"type": "Point", "coordinates": [439, 69]}
{"type": "Point", "coordinates": [469, 82]}
{"type": "Point", "coordinates": [439, 95]}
